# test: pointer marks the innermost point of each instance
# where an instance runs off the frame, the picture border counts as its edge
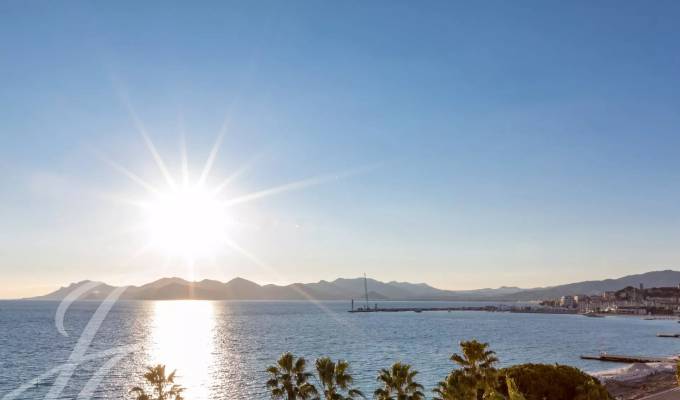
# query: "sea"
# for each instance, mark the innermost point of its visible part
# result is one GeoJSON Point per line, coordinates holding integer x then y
{"type": "Point", "coordinates": [221, 349]}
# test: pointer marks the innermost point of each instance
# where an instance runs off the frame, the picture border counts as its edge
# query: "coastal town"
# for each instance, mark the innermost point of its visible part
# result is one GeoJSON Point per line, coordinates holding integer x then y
{"type": "Point", "coordinates": [657, 301]}
{"type": "Point", "coordinates": [651, 303]}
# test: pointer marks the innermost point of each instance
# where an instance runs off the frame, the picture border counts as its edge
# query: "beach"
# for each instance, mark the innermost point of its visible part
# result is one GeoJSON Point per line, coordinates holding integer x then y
{"type": "Point", "coordinates": [650, 381]}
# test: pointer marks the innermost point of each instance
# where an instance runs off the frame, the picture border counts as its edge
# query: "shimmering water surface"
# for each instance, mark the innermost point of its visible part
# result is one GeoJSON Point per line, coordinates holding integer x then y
{"type": "Point", "coordinates": [221, 349]}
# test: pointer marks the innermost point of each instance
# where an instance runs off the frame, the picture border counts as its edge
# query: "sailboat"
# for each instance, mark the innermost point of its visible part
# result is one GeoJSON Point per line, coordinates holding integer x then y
{"type": "Point", "coordinates": [366, 308]}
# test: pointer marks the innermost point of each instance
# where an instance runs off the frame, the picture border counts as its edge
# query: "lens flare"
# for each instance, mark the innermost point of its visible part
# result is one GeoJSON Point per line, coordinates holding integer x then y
{"type": "Point", "coordinates": [188, 218]}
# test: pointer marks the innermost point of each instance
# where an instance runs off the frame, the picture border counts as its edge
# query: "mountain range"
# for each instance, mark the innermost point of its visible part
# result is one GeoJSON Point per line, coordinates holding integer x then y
{"type": "Point", "coordinates": [345, 289]}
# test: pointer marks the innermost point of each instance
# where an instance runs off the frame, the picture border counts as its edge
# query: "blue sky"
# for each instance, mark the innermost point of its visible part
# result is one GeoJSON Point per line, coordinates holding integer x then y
{"type": "Point", "coordinates": [527, 144]}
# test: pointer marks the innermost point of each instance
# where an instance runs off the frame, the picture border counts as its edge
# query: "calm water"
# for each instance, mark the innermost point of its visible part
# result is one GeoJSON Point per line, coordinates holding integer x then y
{"type": "Point", "coordinates": [221, 349]}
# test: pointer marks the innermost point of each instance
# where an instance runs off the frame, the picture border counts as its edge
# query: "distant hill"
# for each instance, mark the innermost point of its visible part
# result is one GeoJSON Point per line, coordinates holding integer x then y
{"type": "Point", "coordinates": [664, 278]}
{"type": "Point", "coordinates": [344, 289]}
{"type": "Point", "coordinates": [242, 289]}
{"type": "Point", "coordinates": [99, 292]}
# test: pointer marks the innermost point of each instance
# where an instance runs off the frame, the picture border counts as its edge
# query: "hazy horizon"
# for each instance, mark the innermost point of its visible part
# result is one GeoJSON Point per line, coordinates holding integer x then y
{"type": "Point", "coordinates": [50, 289]}
{"type": "Point", "coordinates": [464, 145]}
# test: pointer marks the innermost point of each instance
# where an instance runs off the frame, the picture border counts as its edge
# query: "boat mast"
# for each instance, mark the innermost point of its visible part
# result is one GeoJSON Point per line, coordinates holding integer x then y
{"type": "Point", "coordinates": [366, 289]}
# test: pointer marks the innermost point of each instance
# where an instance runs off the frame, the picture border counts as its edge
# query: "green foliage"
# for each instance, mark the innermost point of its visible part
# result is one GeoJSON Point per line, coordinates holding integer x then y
{"type": "Point", "coordinates": [162, 387]}
{"type": "Point", "coordinates": [336, 380]}
{"type": "Point", "coordinates": [289, 379]}
{"type": "Point", "coordinates": [554, 382]}
{"type": "Point", "coordinates": [477, 364]}
{"type": "Point", "coordinates": [456, 386]}
{"type": "Point", "coordinates": [398, 383]}
{"type": "Point", "coordinates": [591, 390]}
{"type": "Point", "coordinates": [475, 378]}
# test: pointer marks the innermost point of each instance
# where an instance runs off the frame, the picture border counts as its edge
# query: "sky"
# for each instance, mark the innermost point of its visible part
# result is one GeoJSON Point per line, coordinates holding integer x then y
{"type": "Point", "coordinates": [462, 144]}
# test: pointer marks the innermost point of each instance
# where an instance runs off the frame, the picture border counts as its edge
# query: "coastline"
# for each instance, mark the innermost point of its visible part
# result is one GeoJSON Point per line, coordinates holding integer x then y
{"type": "Point", "coordinates": [639, 381]}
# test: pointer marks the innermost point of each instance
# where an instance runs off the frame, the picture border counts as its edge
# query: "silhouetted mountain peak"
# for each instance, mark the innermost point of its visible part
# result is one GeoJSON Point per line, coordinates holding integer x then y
{"type": "Point", "coordinates": [165, 281]}
{"type": "Point", "coordinates": [353, 288]}
{"type": "Point", "coordinates": [242, 282]}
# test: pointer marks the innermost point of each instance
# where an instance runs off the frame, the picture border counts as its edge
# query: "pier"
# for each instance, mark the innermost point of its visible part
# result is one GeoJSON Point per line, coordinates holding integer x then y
{"type": "Point", "coordinates": [490, 308]}
{"type": "Point", "coordinates": [669, 335]}
{"type": "Point", "coordinates": [625, 359]}
{"type": "Point", "coordinates": [421, 309]}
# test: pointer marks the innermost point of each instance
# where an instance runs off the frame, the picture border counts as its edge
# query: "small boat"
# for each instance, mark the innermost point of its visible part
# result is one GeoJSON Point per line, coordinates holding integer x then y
{"type": "Point", "coordinates": [593, 315]}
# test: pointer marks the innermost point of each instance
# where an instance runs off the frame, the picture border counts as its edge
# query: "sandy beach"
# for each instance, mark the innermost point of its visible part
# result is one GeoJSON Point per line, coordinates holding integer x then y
{"type": "Point", "coordinates": [641, 381]}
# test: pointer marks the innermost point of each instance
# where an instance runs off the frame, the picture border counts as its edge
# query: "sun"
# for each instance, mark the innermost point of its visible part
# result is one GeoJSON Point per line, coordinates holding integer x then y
{"type": "Point", "coordinates": [189, 218]}
{"type": "Point", "coordinates": [188, 221]}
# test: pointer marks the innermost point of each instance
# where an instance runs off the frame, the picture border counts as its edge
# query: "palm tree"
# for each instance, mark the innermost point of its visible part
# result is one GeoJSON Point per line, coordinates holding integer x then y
{"type": "Point", "coordinates": [335, 379]}
{"type": "Point", "coordinates": [399, 384]}
{"type": "Point", "coordinates": [456, 386]}
{"type": "Point", "coordinates": [162, 387]}
{"type": "Point", "coordinates": [289, 379]}
{"type": "Point", "coordinates": [477, 363]}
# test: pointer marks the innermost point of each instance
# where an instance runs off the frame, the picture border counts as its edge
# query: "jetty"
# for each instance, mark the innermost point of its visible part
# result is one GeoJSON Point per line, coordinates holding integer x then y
{"type": "Point", "coordinates": [421, 309]}
{"type": "Point", "coordinates": [625, 359]}
{"type": "Point", "coordinates": [670, 335]}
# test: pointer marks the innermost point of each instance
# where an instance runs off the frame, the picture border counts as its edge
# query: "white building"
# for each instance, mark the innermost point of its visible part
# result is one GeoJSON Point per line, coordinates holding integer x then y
{"type": "Point", "coordinates": [567, 302]}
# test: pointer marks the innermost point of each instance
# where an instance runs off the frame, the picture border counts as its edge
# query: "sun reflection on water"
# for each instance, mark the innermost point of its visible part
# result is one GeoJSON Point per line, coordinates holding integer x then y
{"type": "Point", "coordinates": [183, 339]}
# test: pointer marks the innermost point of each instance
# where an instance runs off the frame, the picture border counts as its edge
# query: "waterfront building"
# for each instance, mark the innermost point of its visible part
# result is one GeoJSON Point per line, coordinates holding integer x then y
{"type": "Point", "coordinates": [630, 310]}
{"type": "Point", "coordinates": [567, 302]}
{"type": "Point", "coordinates": [609, 295]}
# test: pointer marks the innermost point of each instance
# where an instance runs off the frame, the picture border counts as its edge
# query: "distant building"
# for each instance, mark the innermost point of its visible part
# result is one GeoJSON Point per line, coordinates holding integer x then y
{"type": "Point", "coordinates": [636, 300]}
{"type": "Point", "coordinates": [567, 302]}
{"type": "Point", "coordinates": [632, 310]}
{"type": "Point", "coordinates": [610, 295]}
{"type": "Point", "coordinates": [581, 298]}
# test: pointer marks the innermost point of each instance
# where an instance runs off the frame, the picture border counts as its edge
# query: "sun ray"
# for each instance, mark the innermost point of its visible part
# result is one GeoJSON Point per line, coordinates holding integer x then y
{"type": "Point", "coordinates": [158, 159]}
{"type": "Point", "coordinates": [276, 190]}
{"type": "Point", "coordinates": [191, 271]}
{"type": "Point", "coordinates": [290, 187]}
{"type": "Point", "coordinates": [131, 175]}
{"type": "Point", "coordinates": [141, 129]}
{"type": "Point", "coordinates": [184, 159]}
{"type": "Point", "coordinates": [240, 171]}
{"type": "Point", "coordinates": [250, 256]}
{"type": "Point", "coordinates": [211, 160]}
